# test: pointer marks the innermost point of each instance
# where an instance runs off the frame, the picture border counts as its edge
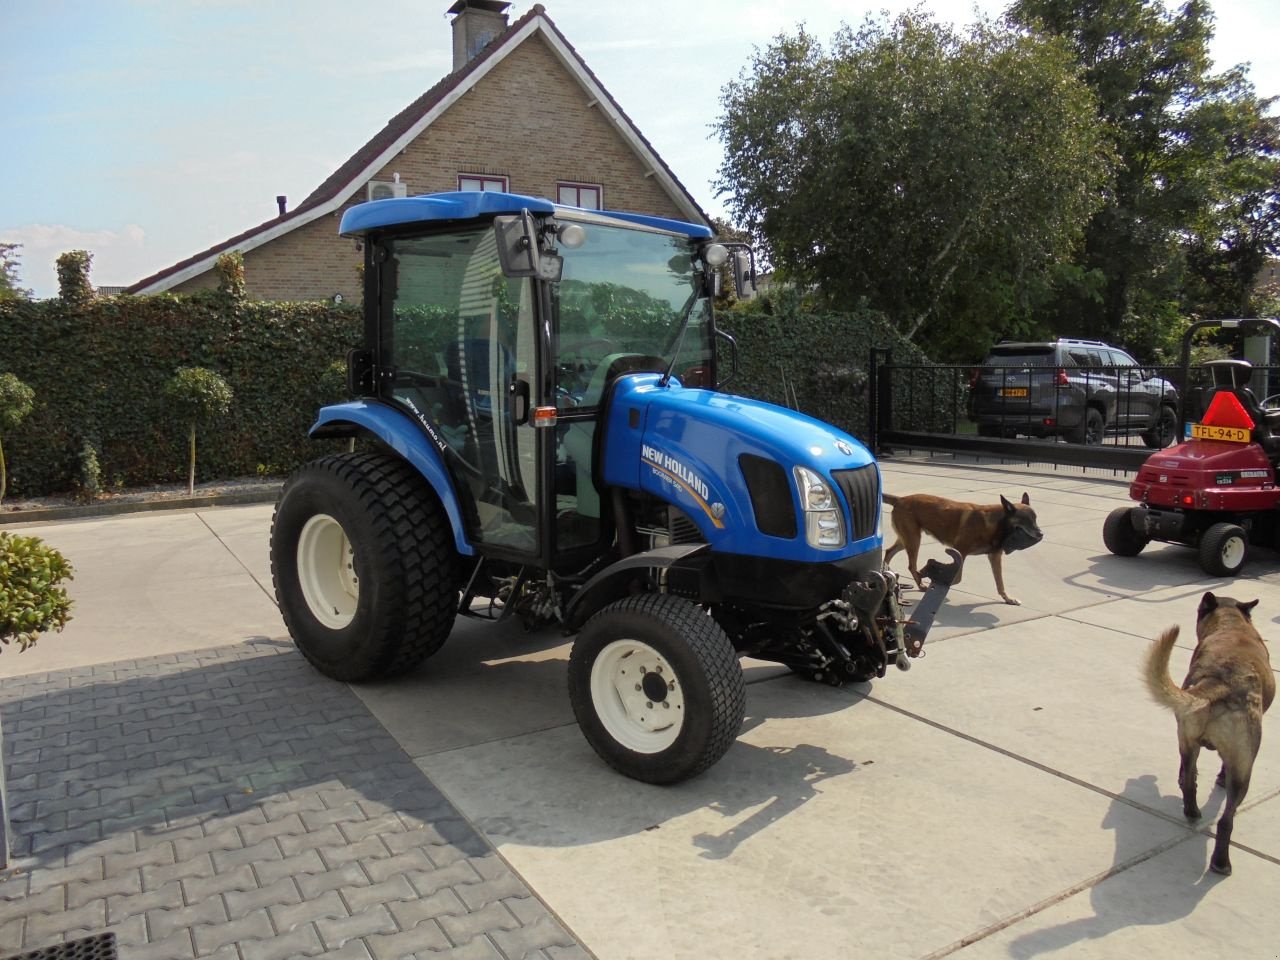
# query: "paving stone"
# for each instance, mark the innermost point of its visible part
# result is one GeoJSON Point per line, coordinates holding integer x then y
{"type": "Point", "coordinates": [386, 892]}
{"type": "Point", "coordinates": [335, 933]}
{"type": "Point", "coordinates": [493, 917]}
{"type": "Point", "coordinates": [165, 898]}
{"type": "Point", "coordinates": [478, 948]}
{"type": "Point", "coordinates": [302, 942]}
{"type": "Point", "coordinates": [243, 902]}
{"type": "Point", "coordinates": [348, 875]}
{"type": "Point", "coordinates": [42, 927]}
{"type": "Point", "coordinates": [254, 926]}
{"type": "Point", "coordinates": [420, 940]}
{"type": "Point", "coordinates": [262, 852]}
{"type": "Point", "coordinates": [164, 922]}
{"type": "Point", "coordinates": [407, 862]}
{"type": "Point", "coordinates": [176, 946]}
{"type": "Point", "coordinates": [427, 882]}
{"type": "Point", "coordinates": [254, 833]}
{"type": "Point", "coordinates": [530, 938]}
{"type": "Point", "coordinates": [129, 882]}
{"type": "Point", "coordinates": [156, 856]}
{"type": "Point", "coordinates": [366, 850]}
{"type": "Point", "coordinates": [88, 869]}
{"type": "Point", "coordinates": [358, 830]}
{"type": "Point", "coordinates": [155, 877]}
{"type": "Point", "coordinates": [328, 906]}
{"type": "Point", "coordinates": [228, 839]}
{"type": "Point", "coordinates": [304, 863]}
{"type": "Point", "coordinates": [330, 836]}
{"type": "Point", "coordinates": [410, 913]}
{"type": "Point", "coordinates": [477, 895]}
{"type": "Point", "coordinates": [196, 889]}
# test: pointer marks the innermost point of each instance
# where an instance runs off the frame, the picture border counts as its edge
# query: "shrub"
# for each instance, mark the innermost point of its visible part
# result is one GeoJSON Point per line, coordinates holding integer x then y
{"type": "Point", "coordinates": [32, 599]}
{"type": "Point", "coordinates": [16, 401]}
{"type": "Point", "coordinates": [74, 288]}
{"type": "Point", "coordinates": [197, 395]}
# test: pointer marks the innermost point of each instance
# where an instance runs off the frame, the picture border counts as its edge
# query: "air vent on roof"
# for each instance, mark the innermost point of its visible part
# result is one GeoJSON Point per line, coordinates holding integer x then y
{"type": "Point", "coordinates": [383, 189]}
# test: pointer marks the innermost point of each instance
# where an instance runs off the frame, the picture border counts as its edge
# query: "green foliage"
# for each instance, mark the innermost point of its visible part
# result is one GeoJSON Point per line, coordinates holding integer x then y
{"type": "Point", "coordinates": [197, 395]}
{"type": "Point", "coordinates": [1194, 206]}
{"type": "Point", "coordinates": [230, 272]}
{"type": "Point", "coordinates": [16, 402]}
{"type": "Point", "coordinates": [9, 282]}
{"type": "Point", "coordinates": [797, 355]}
{"type": "Point", "coordinates": [102, 370]}
{"type": "Point", "coordinates": [74, 288]}
{"type": "Point", "coordinates": [32, 600]}
{"type": "Point", "coordinates": [89, 482]}
{"type": "Point", "coordinates": [936, 177]}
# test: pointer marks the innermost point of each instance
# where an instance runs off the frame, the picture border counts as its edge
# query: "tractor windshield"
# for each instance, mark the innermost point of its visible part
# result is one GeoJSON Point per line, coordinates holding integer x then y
{"type": "Point", "coordinates": [622, 296]}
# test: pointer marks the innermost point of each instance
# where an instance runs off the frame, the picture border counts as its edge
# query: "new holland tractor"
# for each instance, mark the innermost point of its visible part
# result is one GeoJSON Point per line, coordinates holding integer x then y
{"type": "Point", "coordinates": [541, 435]}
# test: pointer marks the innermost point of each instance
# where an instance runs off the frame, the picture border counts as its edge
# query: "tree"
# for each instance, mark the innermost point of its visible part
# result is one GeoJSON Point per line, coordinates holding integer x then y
{"type": "Point", "coordinates": [935, 177]}
{"type": "Point", "coordinates": [1195, 188]}
{"type": "Point", "coordinates": [9, 261]}
{"type": "Point", "coordinates": [16, 402]}
{"type": "Point", "coordinates": [197, 395]}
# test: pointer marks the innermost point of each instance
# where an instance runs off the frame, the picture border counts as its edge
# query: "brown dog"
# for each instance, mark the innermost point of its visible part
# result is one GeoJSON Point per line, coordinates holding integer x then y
{"type": "Point", "coordinates": [1220, 705]}
{"type": "Point", "coordinates": [970, 528]}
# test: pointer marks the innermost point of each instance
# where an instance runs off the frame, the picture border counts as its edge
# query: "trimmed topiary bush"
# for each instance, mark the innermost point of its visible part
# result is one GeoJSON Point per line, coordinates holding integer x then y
{"type": "Point", "coordinates": [16, 402]}
{"type": "Point", "coordinates": [32, 599]}
{"type": "Point", "coordinates": [197, 395]}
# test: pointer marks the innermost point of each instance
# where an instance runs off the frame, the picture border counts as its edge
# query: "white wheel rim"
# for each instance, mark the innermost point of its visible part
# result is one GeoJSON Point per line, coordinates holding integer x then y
{"type": "Point", "coordinates": [1233, 552]}
{"type": "Point", "coordinates": [637, 696]}
{"type": "Point", "coordinates": [327, 572]}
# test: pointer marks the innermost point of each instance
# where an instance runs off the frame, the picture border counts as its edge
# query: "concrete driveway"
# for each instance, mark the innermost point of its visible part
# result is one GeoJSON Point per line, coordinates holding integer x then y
{"type": "Point", "coordinates": [1013, 795]}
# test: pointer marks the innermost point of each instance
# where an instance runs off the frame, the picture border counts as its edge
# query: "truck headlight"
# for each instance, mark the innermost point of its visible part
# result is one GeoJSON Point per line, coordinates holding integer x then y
{"type": "Point", "coordinates": [823, 522]}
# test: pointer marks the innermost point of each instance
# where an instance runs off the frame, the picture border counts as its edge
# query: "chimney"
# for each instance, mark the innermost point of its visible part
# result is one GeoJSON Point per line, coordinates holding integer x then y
{"type": "Point", "coordinates": [281, 202]}
{"type": "Point", "coordinates": [475, 24]}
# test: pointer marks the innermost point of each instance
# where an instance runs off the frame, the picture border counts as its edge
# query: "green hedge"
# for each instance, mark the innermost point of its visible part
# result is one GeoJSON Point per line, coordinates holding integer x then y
{"type": "Point", "coordinates": [816, 362]}
{"type": "Point", "coordinates": [99, 370]}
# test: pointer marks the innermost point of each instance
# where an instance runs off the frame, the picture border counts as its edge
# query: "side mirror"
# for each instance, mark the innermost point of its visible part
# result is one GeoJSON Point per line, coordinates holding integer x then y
{"type": "Point", "coordinates": [519, 252]}
{"type": "Point", "coordinates": [744, 274]}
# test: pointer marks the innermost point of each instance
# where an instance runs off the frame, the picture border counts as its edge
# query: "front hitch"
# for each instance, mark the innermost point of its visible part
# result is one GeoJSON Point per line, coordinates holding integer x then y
{"type": "Point", "coordinates": [941, 576]}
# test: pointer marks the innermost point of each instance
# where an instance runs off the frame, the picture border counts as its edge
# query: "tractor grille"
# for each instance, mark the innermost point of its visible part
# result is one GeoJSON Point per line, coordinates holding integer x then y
{"type": "Point", "coordinates": [770, 490]}
{"type": "Point", "coordinates": [861, 489]}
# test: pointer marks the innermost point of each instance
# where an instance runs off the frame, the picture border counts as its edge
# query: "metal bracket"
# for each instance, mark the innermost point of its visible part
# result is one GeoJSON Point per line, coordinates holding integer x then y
{"type": "Point", "coordinates": [941, 576]}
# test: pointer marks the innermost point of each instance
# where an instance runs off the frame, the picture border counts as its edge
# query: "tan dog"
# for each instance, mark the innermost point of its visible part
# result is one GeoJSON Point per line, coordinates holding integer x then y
{"type": "Point", "coordinates": [970, 528]}
{"type": "Point", "coordinates": [1220, 705]}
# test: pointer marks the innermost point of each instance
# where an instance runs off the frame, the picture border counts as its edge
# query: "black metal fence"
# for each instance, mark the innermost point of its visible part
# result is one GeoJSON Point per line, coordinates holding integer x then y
{"type": "Point", "coordinates": [1040, 414]}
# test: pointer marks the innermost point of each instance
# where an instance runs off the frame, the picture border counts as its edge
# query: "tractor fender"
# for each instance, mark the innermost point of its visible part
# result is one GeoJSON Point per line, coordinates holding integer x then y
{"type": "Point", "coordinates": [613, 581]}
{"type": "Point", "coordinates": [418, 444]}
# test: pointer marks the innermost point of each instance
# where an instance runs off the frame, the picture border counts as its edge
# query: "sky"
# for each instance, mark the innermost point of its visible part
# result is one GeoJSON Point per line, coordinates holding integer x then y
{"type": "Point", "coordinates": [146, 131]}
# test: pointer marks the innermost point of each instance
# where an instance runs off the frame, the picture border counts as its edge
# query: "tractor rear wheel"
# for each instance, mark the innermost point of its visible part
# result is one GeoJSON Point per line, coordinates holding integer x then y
{"type": "Point", "coordinates": [656, 687]}
{"type": "Point", "coordinates": [364, 565]}
{"type": "Point", "coordinates": [1224, 548]}
{"type": "Point", "coordinates": [1119, 534]}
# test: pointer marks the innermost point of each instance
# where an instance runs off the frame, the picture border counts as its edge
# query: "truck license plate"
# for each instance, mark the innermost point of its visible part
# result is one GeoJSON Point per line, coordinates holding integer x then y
{"type": "Point", "coordinates": [1202, 431]}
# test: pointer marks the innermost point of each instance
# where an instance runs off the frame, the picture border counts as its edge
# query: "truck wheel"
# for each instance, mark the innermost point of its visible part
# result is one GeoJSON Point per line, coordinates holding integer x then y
{"type": "Point", "coordinates": [1119, 534]}
{"type": "Point", "coordinates": [656, 687]}
{"type": "Point", "coordinates": [1164, 431]}
{"type": "Point", "coordinates": [1092, 431]}
{"type": "Point", "coordinates": [363, 563]}
{"type": "Point", "coordinates": [1224, 547]}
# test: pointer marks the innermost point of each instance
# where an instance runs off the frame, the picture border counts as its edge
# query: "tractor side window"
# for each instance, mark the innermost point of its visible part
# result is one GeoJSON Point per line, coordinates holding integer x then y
{"type": "Point", "coordinates": [462, 334]}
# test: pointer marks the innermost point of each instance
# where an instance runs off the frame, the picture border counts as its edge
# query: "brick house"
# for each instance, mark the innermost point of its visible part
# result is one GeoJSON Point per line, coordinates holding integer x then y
{"type": "Point", "coordinates": [565, 139]}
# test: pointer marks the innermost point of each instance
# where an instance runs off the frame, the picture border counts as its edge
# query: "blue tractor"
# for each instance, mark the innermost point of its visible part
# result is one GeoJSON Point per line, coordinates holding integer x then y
{"type": "Point", "coordinates": [542, 436]}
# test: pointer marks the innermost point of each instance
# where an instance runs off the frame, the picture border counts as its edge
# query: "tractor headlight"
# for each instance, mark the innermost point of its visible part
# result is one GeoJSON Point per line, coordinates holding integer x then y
{"type": "Point", "coordinates": [823, 523]}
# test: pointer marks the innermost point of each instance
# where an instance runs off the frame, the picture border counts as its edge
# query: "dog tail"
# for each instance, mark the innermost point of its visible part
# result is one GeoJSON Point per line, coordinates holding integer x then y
{"type": "Point", "coordinates": [888, 498]}
{"type": "Point", "coordinates": [1156, 673]}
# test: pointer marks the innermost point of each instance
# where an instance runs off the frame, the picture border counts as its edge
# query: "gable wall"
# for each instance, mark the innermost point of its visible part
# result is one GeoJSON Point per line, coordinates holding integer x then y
{"type": "Point", "coordinates": [527, 120]}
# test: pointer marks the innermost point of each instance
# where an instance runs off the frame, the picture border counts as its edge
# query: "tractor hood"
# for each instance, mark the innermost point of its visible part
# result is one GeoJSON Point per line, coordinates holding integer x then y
{"type": "Point", "coordinates": [728, 463]}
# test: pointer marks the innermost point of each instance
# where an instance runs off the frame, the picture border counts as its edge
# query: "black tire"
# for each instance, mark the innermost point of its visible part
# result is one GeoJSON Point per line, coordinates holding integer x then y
{"type": "Point", "coordinates": [1164, 431]}
{"type": "Point", "coordinates": [1092, 431]}
{"type": "Point", "coordinates": [1224, 548]}
{"type": "Point", "coordinates": [671, 639]}
{"type": "Point", "coordinates": [1119, 534]}
{"type": "Point", "coordinates": [401, 605]}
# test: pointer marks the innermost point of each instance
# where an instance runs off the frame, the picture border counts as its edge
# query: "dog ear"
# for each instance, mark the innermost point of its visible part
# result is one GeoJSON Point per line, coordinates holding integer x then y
{"type": "Point", "coordinates": [1008, 507]}
{"type": "Point", "coordinates": [1208, 603]}
{"type": "Point", "coordinates": [1026, 499]}
{"type": "Point", "coordinates": [1247, 608]}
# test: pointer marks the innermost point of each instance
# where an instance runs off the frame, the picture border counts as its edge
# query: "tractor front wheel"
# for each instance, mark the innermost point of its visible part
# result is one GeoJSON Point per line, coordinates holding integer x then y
{"type": "Point", "coordinates": [1224, 548]}
{"type": "Point", "coordinates": [656, 687]}
{"type": "Point", "coordinates": [364, 566]}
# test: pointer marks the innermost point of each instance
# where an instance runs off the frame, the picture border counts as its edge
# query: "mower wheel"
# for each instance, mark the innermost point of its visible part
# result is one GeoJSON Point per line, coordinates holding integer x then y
{"type": "Point", "coordinates": [364, 565]}
{"type": "Point", "coordinates": [1224, 548]}
{"type": "Point", "coordinates": [656, 687]}
{"type": "Point", "coordinates": [1119, 535]}
{"type": "Point", "coordinates": [1164, 431]}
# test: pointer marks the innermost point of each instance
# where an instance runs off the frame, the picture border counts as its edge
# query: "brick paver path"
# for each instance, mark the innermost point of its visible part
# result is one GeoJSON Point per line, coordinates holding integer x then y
{"type": "Point", "coordinates": [233, 803]}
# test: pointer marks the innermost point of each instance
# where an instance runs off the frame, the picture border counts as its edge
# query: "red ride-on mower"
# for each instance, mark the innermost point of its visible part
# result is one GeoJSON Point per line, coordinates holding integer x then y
{"type": "Point", "coordinates": [1217, 490]}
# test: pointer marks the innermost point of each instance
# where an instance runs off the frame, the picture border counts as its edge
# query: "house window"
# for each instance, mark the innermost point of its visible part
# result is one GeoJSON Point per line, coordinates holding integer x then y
{"type": "Point", "coordinates": [476, 181]}
{"type": "Point", "coordinates": [586, 195]}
